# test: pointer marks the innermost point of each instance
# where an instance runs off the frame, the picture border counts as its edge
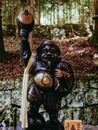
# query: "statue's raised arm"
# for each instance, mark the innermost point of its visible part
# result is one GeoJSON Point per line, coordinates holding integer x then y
{"type": "Point", "coordinates": [25, 24]}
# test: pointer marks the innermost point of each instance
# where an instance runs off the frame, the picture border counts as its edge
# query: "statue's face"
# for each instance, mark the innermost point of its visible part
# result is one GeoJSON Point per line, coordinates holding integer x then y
{"type": "Point", "coordinates": [49, 54]}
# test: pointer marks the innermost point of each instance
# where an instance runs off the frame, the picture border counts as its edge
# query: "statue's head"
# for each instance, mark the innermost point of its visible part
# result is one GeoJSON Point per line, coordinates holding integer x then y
{"type": "Point", "coordinates": [48, 52]}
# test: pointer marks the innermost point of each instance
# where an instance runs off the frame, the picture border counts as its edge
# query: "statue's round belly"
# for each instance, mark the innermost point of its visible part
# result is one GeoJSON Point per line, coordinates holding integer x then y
{"type": "Point", "coordinates": [43, 80]}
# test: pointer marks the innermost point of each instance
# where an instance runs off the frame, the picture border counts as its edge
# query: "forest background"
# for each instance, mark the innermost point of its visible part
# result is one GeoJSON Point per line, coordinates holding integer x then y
{"type": "Point", "coordinates": [57, 19]}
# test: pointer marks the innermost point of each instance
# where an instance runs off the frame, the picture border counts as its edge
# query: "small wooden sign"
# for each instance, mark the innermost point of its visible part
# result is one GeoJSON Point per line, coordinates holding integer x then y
{"type": "Point", "coordinates": [73, 125]}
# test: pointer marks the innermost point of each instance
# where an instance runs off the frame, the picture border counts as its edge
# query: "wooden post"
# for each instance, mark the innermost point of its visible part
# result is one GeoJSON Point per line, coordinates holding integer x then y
{"type": "Point", "coordinates": [73, 125]}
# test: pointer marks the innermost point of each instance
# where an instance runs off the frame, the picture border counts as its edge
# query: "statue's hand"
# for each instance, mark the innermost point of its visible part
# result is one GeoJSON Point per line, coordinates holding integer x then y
{"type": "Point", "coordinates": [58, 73]}
{"type": "Point", "coordinates": [24, 33]}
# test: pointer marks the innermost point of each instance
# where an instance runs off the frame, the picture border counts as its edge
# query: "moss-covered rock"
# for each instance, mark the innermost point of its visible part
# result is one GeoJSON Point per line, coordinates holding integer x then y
{"type": "Point", "coordinates": [48, 31]}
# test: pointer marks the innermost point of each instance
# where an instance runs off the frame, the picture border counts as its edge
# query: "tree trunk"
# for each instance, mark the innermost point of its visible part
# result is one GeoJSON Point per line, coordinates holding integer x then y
{"type": "Point", "coordinates": [13, 13]}
{"type": "Point", "coordinates": [94, 39]}
{"type": "Point", "coordinates": [58, 12]}
{"type": "Point", "coordinates": [96, 20]}
{"type": "Point", "coordinates": [18, 7]}
{"type": "Point", "coordinates": [54, 21]}
{"type": "Point", "coordinates": [39, 12]}
{"type": "Point", "coordinates": [32, 7]}
{"type": "Point", "coordinates": [2, 50]}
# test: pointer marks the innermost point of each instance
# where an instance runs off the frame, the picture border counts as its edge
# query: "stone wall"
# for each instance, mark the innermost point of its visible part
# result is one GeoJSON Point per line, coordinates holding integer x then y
{"type": "Point", "coordinates": [81, 104]}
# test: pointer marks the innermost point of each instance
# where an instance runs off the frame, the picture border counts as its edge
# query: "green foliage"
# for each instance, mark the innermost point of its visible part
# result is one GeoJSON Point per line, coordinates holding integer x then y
{"type": "Point", "coordinates": [90, 76]}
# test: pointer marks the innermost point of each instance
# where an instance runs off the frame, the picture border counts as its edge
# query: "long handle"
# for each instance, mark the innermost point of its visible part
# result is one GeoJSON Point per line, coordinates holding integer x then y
{"type": "Point", "coordinates": [23, 115]}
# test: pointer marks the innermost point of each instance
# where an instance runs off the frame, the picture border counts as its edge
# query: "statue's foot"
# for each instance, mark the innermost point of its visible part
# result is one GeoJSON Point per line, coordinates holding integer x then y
{"type": "Point", "coordinates": [49, 126]}
{"type": "Point", "coordinates": [35, 122]}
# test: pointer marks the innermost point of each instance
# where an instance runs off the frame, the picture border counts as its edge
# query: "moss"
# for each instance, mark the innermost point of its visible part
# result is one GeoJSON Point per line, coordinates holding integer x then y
{"type": "Point", "coordinates": [90, 76]}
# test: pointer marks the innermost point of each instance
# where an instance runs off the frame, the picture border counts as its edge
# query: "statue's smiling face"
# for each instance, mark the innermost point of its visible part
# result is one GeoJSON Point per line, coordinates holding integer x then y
{"type": "Point", "coordinates": [49, 54]}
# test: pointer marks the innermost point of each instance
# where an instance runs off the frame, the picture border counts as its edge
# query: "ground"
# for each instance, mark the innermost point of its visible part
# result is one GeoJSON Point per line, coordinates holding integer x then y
{"type": "Point", "coordinates": [74, 50]}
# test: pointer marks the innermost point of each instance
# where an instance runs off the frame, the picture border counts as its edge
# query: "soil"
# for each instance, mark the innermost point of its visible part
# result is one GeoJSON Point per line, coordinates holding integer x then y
{"type": "Point", "coordinates": [76, 51]}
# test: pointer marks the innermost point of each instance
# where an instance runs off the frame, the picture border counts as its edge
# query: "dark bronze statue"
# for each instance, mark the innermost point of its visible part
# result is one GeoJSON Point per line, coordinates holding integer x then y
{"type": "Point", "coordinates": [52, 78]}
